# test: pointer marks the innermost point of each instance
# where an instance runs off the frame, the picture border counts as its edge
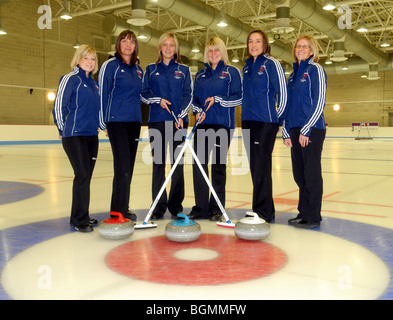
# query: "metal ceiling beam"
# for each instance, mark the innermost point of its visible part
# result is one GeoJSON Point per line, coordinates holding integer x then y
{"type": "Point", "coordinates": [207, 16]}
{"type": "Point", "coordinates": [310, 12]}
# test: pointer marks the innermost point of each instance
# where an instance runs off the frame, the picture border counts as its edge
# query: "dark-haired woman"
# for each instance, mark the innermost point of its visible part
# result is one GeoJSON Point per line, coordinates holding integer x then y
{"type": "Point", "coordinates": [120, 81]}
{"type": "Point", "coordinates": [264, 102]}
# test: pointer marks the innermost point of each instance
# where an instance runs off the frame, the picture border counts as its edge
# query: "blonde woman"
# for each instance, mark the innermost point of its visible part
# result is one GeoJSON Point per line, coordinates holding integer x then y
{"type": "Point", "coordinates": [167, 85]}
{"type": "Point", "coordinates": [77, 116]}
{"type": "Point", "coordinates": [218, 87]}
{"type": "Point", "coordinates": [305, 129]}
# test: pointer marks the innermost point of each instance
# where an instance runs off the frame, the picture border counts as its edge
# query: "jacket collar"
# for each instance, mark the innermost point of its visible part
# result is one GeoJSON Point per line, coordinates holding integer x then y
{"type": "Point", "coordinates": [121, 61]}
{"type": "Point", "coordinates": [171, 63]}
{"type": "Point", "coordinates": [258, 60]}
{"type": "Point", "coordinates": [302, 64]}
{"type": "Point", "coordinates": [79, 71]}
{"type": "Point", "coordinates": [219, 67]}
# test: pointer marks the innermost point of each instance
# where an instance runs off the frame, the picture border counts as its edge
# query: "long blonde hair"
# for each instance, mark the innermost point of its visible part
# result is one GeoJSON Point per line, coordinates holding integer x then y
{"type": "Point", "coordinates": [83, 51]}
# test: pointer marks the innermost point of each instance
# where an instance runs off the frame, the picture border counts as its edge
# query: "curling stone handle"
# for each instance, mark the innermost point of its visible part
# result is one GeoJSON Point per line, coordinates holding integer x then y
{"type": "Point", "coordinates": [255, 215]}
{"type": "Point", "coordinates": [117, 214]}
{"type": "Point", "coordinates": [184, 216]}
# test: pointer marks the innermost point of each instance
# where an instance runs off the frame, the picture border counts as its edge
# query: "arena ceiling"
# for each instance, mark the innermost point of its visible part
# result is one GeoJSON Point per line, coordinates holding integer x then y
{"type": "Point", "coordinates": [194, 21]}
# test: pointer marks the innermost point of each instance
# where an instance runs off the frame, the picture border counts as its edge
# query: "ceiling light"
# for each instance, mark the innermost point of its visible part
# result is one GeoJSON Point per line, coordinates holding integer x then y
{"type": "Point", "coordinates": [223, 22]}
{"type": "Point", "coordinates": [51, 96]}
{"type": "Point", "coordinates": [235, 57]}
{"type": "Point", "coordinates": [362, 27]}
{"type": "Point", "coordinates": [344, 66]}
{"type": "Point", "coordinates": [195, 47]}
{"type": "Point", "coordinates": [328, 60]}
{"type": "Point", "coordinates": [65, 13]}
{"type": "Point", "coordinates": [142, 34]}
{"type": "Point", "coordinates": [77, 44]}
{"type": "Point", "coordinates": [329, 5]}
{"type": "Point", "coordinates": [385, 43]}
{"type": "Point", "coordinates": [364, 75]}
{"type": "Point", "coordinates": [2, 30]}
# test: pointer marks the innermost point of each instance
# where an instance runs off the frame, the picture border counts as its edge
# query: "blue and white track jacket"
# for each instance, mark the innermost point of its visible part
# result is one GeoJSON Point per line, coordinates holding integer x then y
{"type": "Point", "coordinates": [172, 82]}
{"type": "Point", "coordinates": [76, 109]}
{"type": "Point", "coordinates": [120, 88]}
{"type": "Point", "coordinates": [264, 90]}
{"type": "Point", "coordinates": [306, 98]}
{"type": "Point", "coordinates": [225, 85]}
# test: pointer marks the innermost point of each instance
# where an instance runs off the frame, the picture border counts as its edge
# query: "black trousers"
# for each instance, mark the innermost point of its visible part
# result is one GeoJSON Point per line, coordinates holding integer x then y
{"type": "Point", "coordinates": [307, 172]}
{"type": "Point", "coordinates": [163, 136]}
{"type": "Point", "coordinates": [82, 152]}
{"type": "Point", "coordinates": [211, 140]}
{"type": "Point", "coordinates": [259, 139]}
{"type": "Point", "coordinates": [124, 139]}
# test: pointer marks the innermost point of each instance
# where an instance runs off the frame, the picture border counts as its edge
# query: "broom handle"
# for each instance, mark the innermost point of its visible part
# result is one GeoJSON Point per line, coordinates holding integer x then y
{"type": "Point", "coordinates": [203, 171]}
{"type": "Point", "coordinates": [187, 142]}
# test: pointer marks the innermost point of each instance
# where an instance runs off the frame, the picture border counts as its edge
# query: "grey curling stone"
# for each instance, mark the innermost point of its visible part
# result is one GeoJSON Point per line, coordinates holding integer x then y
{"type": "Point", "coordinates": [116, 228]}
{"type": "Point", "coordinates": [252, 227]}
{"type": "Point", "coordinates": [182, 230]}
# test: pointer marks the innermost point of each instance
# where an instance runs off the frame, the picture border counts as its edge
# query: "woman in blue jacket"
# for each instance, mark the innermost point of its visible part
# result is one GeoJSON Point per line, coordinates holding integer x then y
{"type": "Point", "coordinates": [120, 81]}
{"type": "Point", "coordinates": [219, 87]}
{"type": "Point", "coordinates": [305, 130]}
{"type": "Point", "coordinates": [167, 85]}
{"type": "Point", "coordinates": [77, 116]}
{"type": "Point", "coordinates": [264, 102]}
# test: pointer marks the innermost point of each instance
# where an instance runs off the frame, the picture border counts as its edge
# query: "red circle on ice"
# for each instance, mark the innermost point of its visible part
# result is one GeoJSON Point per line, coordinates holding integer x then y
{"type": "Point", "coordinates": [153, 259]}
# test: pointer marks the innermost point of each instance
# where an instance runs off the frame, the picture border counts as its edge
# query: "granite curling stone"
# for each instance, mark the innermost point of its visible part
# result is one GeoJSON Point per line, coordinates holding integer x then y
{"type": "Point", "coordinates": [252, 227]}
{"type": "Point", "coordinates": [182, 230]}
{"type": "Point", "coordinates": [115, 228]}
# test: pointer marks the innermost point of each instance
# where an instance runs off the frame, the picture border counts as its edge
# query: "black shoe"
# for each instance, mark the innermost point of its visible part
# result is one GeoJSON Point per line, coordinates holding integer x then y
{"type": "Point", "coordinates": [131, 216]}
{"type": "Point", "coordinates": [303, 224]}
{"type": "Point", "coordinates": [215, 217]}
{"type": "Point", "coordinates": [93, 221]}
{"type": "Point", "coordinates": [294, 220]}
{"type": "Point", "coordinates": [156, 216]}
{"type": "Point", "coordinates": [193, 216]}
{"type": "Point", "coordinates": [84, 228]}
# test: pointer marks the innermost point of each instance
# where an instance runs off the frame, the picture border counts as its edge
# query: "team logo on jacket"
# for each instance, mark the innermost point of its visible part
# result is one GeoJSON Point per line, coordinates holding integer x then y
{"type": "Point", "coordinates": [304, 77]}
{"type": "Point", "coordinates": [139, 72]}
{"type": "Point", "coordinates": [177, 74]}
{"type": "Point", "coordinates": [261, 70]}
{"type": "Point", "coordinates": [223, 74]}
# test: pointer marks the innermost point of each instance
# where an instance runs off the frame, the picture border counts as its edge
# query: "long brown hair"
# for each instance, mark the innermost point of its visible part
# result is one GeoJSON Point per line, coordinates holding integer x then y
{"type": "Point", "coordinates": [129, 35]}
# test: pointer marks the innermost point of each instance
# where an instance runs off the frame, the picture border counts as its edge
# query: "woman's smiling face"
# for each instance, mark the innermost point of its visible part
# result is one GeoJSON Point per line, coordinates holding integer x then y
{"type": "Point", "coordinates": [303, 50]}
{"type": "Point", "coordinates": [255, 45]}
